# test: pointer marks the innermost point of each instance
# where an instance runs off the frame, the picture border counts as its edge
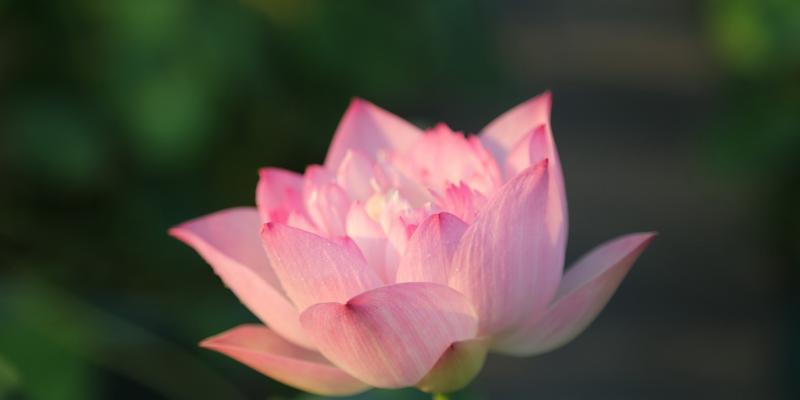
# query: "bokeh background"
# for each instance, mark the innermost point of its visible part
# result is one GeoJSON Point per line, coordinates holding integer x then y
{"type": "Point", "coordinates": [121, 118]}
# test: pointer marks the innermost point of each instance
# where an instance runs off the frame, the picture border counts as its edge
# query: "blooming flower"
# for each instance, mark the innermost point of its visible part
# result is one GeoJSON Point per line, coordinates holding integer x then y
{"type": "Point", "coordinates": [407, 256]}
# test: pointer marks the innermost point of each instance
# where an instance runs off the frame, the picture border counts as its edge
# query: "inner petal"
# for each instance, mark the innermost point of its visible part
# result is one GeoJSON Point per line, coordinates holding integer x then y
{"type": "Point", "coordinates": [441, 157]}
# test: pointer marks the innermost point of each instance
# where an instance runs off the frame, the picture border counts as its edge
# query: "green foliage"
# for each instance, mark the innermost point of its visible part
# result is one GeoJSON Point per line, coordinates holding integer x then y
{"type": "Point", "coordinates": [756, 35]}
{"type": "Point", "coordinates": [758, 45]}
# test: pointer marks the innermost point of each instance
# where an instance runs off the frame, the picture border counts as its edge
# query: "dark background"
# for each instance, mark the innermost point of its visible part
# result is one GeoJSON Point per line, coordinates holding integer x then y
{"type": "Point", "coordinates": [121, 118]}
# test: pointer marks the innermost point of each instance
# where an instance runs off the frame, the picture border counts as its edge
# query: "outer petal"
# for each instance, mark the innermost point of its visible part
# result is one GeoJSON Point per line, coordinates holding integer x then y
{"type": "Point", "coordinates": [392, 336]}
{"type": "Point", "coordinates": [586, 288]}
{"type": "Point", "coordinates": [507, 263]}
{"type": "Point", "coordinates": [350, 245]}
{"type": "Point", "coordinates": [369, 129]}
{"type": "Point", "coordinates": [500, 136]}
{"type": "Point", "coordinates": [313, 269]}
{"type": "Point", "coordinates": [228, 240]}
{"type": "Point", "coordinates": [279, 193]}
{"type": "Point", "coordinates": [266, 352]}
{"type": "Point", "coordinates": [430, 249]}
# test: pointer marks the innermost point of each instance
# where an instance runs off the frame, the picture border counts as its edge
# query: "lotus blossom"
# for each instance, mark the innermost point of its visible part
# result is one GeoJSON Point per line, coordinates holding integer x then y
{"type": "Point", "coordinates": [407, 256]}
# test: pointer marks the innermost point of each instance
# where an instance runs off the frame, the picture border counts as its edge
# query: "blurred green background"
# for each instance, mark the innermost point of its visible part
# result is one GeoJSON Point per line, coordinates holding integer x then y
{"type": "Point", "coordinates": [120, 118]}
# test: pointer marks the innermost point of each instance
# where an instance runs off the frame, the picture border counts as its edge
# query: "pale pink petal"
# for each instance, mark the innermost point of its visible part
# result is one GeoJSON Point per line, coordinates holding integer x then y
{"type": "Point", "coordinates": [229, 241]}
{"type": "Point", "coordinates": [327, 205]}
{"type": "Point", "coordinates": [264, 351]}
{"type": "Point", "coordinates": [505, 131]}
{"type": "Point", "coordinates": [491, 176]}
{"type": "Point", "coordinates": [350, 245]}
{"type": "Point", "coordinates": [279, 192]}
{"type": "Point", "coordinates": [539, 145]}
{"type": "Point", "coordinates": [313, 269]}
{"type": "Point", "coordinates": [369, 237]}
{"type": "Point", "coordinates": [397, 220]}
{"type": "Point", "coordinates": [461, 201]}
{"type": "Point", "coordinates": [355, 176]}
{"type": "Point", "coordinates": [430, 250]}
{"type": "Point", "coordinates": [507, 263]}
{"type": "Point", "coordinates": [585, 289]}
{"type": "Point", "coordinates": [519, 157]}
{"type": "Point", "coordinates": [392, 336]}
{"type": "Point", "coordinates": [390, 177]}
{"type": "Point", "coordinates": [314, 179]}
{"type": "Point", "coordinates": [369, 129]}
{"type": "Point", "coordinates": [397, 236]}
{"type": "Point", "coordinates": [316, 175]}
{"type": "Point", "coordinates": [442, 156]}
{"type": "Point", "coordinates": [387, 208]}
{"type": "Point", "coordinates": [300, 221]}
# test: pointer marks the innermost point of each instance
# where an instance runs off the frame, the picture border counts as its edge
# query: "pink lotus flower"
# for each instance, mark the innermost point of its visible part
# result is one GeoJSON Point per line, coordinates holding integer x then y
{"type": "Point", "coordinates": [407, 256]}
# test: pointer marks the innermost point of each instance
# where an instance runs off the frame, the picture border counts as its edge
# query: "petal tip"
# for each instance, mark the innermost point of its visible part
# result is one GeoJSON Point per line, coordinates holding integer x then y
{"type": "Point", "coordinates": [644, 237]}
{"type": "Point", "coordinates": [207, 343]}
{"type": "Point", "coordinates": [266, 172]}
{"type": "Point", "coordinates": [444, 218]}
{"type": "Point", "coordinates": [177, 231]}
{"type": "Point", "coordinates": [541, 166]}
{"type": "Point", "coordinates": [224, 339]}
{"type": "Point", "coordinates": [542, 98]}
{"type": "Point", "coordinates": [212, 342]}
{"type": "Point", "coordinates": [359, 105]}
{"type": "Point", "coordinates": [356, 101]}
{"type": "Point", "coordinates": [546, 99]}
{"type": "Point", "coordinates": [183, 232]}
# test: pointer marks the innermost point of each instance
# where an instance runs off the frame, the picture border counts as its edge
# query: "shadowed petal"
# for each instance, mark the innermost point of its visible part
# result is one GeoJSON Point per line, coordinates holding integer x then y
{"type": "Point", "coordinates": [457, 367]}
{"type": "Point", "coordinates": [369, 129]}
{"type": "Point", "coordinates": [313, 269]}
{"type": "Point", "coordinates": [392, 336]}
{"type": "Point", "coordinates": [228, 240]}
{"type": "Point", "coordinates": [266, 352]}
{"type": "Point", "coordinates": [508, 263]}
{"type": "Point", "coordinates": [585, 289]}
